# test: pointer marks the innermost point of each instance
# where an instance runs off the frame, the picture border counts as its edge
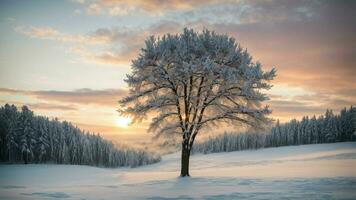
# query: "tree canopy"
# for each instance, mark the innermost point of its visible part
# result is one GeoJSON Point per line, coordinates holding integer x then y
{"type": "Point", "coordinates": [193, 79]}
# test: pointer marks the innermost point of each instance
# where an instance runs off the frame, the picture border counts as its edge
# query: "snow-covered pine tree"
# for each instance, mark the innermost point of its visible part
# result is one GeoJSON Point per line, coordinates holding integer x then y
{"type": "Point", "coordinates": [35, 139]}
{"type": "Point", "coordinates": [25, 134]}
{"type": "Point", "coordinates": [8, 119]}
{"type": "Point", "coordinates": [330, 127]}
{"type": "Point", "coordinates": [191, 80]}
{"type": "Point", "coordinates": [42, 142]}
{"type": "Point", "coordinates": [314, 130]}
{"type": "Point", "coordinates": [307, 131]}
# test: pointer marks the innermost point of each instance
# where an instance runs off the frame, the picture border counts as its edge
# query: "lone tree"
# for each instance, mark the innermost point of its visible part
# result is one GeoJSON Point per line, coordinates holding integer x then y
{"type": "Point", "coordinates": [191, 80]}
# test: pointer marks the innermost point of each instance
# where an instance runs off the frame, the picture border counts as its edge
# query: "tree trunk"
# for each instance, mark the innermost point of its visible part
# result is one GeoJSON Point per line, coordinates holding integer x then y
{"type": "Point", "coordinates": [185, 159]}
{"type": "Point", "coordinates": [25, 157]}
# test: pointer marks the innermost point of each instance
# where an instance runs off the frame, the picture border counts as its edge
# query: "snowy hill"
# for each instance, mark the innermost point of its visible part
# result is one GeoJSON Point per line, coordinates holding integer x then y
{"type": "Point", "coordinates": [323, 171]}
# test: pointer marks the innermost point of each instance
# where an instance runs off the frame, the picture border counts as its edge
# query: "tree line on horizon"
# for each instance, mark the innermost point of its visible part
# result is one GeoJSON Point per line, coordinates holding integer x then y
{"type": "Point", "coordinates": [327, 128]}
{"type": "Point", "coordinates": [27, 138]}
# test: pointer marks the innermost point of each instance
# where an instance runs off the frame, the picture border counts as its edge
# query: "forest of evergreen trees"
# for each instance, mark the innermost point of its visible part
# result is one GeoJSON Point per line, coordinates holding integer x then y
{"type": "Point", "coordinates": [26, 138]}
{"type": "Point", "coordinates": [327, 128]}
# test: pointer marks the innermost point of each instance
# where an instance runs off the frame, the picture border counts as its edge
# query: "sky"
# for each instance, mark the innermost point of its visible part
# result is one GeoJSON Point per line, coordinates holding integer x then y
{"type": "Point", "coordinates": [68, 59]}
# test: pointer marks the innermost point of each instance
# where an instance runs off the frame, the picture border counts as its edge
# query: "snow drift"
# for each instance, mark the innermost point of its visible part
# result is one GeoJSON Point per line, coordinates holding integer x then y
{"type": "Point", "coordinates": [322, 171]}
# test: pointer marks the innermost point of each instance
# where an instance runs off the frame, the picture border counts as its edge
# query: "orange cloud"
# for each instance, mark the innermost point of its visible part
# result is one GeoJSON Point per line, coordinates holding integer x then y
{"type": "Point", "coordinates": [42, 106]}
{"type": "Point", "coordinates": [108, 97]}
{"type": "Point", "coordinates": [50, 33]}
{"type": "Point", "coordinates": [151, 7]}
{"type": "Point", "coordinates": [51, 106]}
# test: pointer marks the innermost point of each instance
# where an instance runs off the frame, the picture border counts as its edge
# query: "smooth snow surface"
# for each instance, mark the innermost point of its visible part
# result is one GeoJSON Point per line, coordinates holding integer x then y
{"type": "Point", "coordinates": [323, 171]}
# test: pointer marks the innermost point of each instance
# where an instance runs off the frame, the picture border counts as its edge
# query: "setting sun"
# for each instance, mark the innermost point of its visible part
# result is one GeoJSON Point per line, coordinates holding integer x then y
{"type": "Point", "coordinates": [123, 122]}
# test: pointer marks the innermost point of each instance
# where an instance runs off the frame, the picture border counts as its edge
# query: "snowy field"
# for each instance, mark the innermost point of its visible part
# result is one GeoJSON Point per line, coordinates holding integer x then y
{"type": "Point", "coordinates": [323, 171]}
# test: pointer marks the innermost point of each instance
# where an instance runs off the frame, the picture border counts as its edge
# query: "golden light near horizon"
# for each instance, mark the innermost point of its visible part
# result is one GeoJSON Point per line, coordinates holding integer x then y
{"type": "Point", "coordinates": [123, 122]}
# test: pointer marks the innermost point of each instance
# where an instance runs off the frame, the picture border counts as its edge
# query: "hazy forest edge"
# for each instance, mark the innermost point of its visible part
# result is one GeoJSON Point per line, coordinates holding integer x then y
{"type": "Point", "coordinates": [27, 138]}
{"type": "Point", "coordinates": [326, 128]}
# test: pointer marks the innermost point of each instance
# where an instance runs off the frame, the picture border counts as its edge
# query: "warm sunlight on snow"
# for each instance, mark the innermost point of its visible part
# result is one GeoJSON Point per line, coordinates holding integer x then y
{"type": "Point", "coordinates": [123, 122]}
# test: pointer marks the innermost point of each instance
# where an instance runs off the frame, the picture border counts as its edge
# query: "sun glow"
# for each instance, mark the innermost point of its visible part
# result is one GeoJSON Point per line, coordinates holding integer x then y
{"type": "Point", "coordinates": [123, 122]}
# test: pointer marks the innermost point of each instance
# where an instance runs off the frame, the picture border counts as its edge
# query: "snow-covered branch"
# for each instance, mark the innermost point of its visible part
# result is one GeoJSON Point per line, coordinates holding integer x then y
{"type": "Point", "coordinates": [206, 77]}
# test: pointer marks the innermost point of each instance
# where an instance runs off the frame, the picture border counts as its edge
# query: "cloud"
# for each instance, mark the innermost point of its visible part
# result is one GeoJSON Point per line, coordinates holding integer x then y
{"type": "Point", "coordinates": [79, 1]}
{"type": "Point", "coordinates": [129, 41]}
{"type": "Point", "coordinates": [49, 33]}
{"type": "Point", "coordinates": [276, 32]}
{"type": "Point", "coordinates": [241, 11]}
{"type": "Point", "coordinates": [120, 10]}
{"type": "Point", "coordinates": [94, 9]}
{"type": "Point", "coordinates": [286, 107]}
{"type": "Point", "coordinates": [49, 106]}
{"type": "Point", "coordinates": [107, 97]}
{"type": "Point", "coordinates": [42, 106]}
{"type": "Point", "coordinates": [254, 11]}
{"type": "Point", "coordinates": [83, 43]}
{"type": "Point", "coordinates": [316, 54]}
{"type": "Point", "coordinates": [285, 110]}
{"type": "Point", "coordinates": [10, 91]}
{"type": "Point", "coordinates": [150, 7]}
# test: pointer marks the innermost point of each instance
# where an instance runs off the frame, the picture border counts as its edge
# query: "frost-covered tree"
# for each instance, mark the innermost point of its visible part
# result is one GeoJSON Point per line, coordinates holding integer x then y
{"type": "Point", "coordinates": [330, 126]}
{"type": "Point", "coordinates": [25, 133]}
{"type": "Point", "coordinates": [42, 142]}
{"type": "Point", "coordinates": [8, 119]}
{"type": "Point", "coordinates": [191, 80]}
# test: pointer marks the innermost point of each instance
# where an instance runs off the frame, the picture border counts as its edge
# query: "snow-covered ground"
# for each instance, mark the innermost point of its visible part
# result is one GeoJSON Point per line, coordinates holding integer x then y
{"type": "Point", "coordinates": [323, 171]}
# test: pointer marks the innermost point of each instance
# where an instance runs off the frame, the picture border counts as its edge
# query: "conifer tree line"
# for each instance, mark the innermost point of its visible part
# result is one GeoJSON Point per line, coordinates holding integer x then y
{"type": "Point", "coordinates": [327, 128]}
{"type": "Point", "coordinates": [27, 138]}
